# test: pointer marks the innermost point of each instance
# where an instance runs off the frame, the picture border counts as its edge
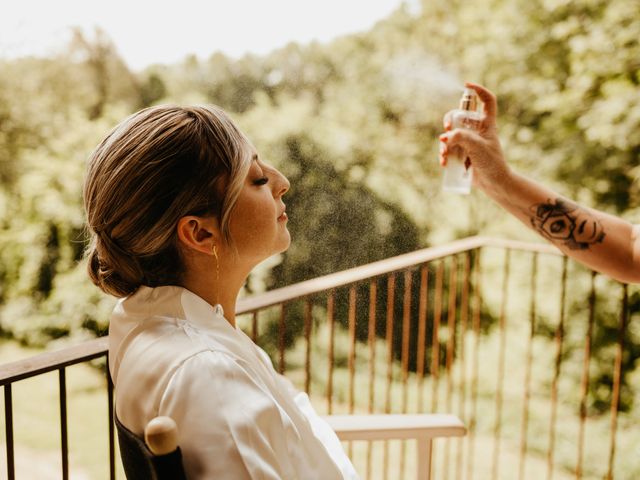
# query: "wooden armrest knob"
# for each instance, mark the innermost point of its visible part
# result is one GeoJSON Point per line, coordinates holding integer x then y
{"type": "Point", "coordinates": [161, 435]}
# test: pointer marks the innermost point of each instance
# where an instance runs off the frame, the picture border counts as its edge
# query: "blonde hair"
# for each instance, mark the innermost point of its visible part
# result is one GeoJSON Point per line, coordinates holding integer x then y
{"type": "Point", "coordinates": [155, 167]}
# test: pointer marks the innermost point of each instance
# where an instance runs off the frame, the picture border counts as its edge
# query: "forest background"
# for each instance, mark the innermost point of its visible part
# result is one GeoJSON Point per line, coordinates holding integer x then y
{"type": "Point", "coordinates": [353, 123]}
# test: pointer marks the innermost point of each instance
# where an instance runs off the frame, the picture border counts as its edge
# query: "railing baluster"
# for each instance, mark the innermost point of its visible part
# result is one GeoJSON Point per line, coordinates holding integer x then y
{"type": "Point", "coordinates": [391, 291]}
{"type": "Point", "coordinates": [435, 342]}
{"type": "Point", "coordinates": [281, 342]}
{"type": "Point", "coordinates": [422, 335]}
{"type": "Point", "coordinates": [451, 327]}
{"type": "Point", "coordinates": [373, 294]}
{"type": "Point", "coordinates": [451, 339]}
{"type": "Point", "coordinates": [352, 353]}
{"type": "Point", "coordinates": [477, 306]}
{"type": "Point", "coordinates": [352, 347]}
{"type": "Point", "coordinates": [406, 330]}
{"type": "Point", "coordinates": [584, 383]}
{"type": "Point", "coordinates": [559, 337]}
{"type": "Point", "coordinates": [307, 336]}
{"type": "Point", "coordinates": [254, 326]}
{"type": "Point", "coordinates": [464, 320]}
{"type": "Point", "coordinates": [501, 359]}
{"type": "Point", "coordinates": [330, 317]}
{"type": "Point", "coordinates": [528, 364]}
{"type": "Point", "coordinates": [112, 446]}
{"type": "Point", "coordinates": [8, 425]}
{"type": "Point", "coordinates": [391, 284]}
{"type": "Point", "coordinates": [617, 378]}
{"type": "Point", "coordinates": [64, 446]}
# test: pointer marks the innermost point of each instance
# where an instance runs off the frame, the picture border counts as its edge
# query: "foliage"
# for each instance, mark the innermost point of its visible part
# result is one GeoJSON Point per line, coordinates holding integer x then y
{"type": "Point", "coordinates": [352, 123]}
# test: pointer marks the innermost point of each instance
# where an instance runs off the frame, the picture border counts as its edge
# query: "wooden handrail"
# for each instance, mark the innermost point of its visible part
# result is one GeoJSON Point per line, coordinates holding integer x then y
{"type": "Point", "coordinates": [49, 361]}
{"type": "Point", "coordinates": [382, 267]}
{"type": "Point", "coordinates": [356, 274]}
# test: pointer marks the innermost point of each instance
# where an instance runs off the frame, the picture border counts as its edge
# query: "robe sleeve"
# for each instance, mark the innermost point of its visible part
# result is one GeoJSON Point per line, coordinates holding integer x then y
{"type": "Point", "coordinates": [229, 426]}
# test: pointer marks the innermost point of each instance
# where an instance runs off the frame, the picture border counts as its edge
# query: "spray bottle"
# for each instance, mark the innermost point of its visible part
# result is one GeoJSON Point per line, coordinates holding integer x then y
{"type": "Point", "coordinates": [458, 173]}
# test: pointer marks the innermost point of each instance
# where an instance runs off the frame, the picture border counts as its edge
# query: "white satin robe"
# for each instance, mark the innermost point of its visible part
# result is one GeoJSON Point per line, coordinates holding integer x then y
{"type": "Point", "coordinates": [171, 353]}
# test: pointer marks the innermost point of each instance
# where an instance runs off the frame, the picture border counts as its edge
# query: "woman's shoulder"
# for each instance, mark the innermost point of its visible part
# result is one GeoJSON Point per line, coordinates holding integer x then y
{"type": "Point", "coordinates": [155, 360]}
{"type": "Point", "coordinates": [222, 382]}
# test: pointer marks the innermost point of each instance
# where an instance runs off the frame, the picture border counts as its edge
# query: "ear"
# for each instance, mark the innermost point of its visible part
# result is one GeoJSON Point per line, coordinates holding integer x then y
{"type": "Point", "coordinates": [198, 234]}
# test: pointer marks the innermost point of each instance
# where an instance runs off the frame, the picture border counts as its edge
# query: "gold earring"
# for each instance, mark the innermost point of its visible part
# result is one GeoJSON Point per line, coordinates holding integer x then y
{"type": "Point", "coordinates": [215, 254]}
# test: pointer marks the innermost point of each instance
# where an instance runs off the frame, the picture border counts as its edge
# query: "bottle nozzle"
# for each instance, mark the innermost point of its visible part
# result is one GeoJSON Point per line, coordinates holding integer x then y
{"type": "Point", "coordinates": [469, 100]}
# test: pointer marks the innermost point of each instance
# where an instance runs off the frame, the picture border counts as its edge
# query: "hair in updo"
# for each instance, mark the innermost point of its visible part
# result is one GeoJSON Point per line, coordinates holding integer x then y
{"type": "Point", "coordinates": [157, 166]}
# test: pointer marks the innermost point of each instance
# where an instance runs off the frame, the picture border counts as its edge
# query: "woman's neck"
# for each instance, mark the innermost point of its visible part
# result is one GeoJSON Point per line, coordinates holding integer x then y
{"type": "Point", "coordinates": [224, 290]}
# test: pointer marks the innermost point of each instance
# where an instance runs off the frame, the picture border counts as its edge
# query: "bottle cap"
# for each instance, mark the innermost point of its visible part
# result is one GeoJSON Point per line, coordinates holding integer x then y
{"type": "Point", "coordinates": [469, 100]}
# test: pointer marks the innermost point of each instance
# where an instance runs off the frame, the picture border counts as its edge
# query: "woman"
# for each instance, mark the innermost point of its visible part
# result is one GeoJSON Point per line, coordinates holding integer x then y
{"type": "Point", "coordinates": [180, 208]}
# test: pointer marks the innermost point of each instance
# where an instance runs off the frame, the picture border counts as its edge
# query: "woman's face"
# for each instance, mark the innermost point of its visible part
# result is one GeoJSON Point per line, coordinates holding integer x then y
{"type": "Point", "coordinates": [258, 224]}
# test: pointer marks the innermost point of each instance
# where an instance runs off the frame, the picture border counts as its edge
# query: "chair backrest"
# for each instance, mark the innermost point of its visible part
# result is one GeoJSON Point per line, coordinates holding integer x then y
{"type": "Point", "coordinates": [141, 464]}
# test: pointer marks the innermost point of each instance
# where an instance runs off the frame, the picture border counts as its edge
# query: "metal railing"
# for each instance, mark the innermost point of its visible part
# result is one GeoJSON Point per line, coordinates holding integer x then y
{"type": "Point", "coordinates": [418, 327]}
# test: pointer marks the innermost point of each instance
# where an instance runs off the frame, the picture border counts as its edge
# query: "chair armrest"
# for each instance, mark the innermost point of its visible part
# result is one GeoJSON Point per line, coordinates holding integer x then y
{"type": "Point", "coordinates": [396, 426]}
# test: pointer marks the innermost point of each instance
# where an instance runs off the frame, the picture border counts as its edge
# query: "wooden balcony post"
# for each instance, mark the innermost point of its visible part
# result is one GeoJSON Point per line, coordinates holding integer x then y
{"type": "Point", "coordinates": [424, 458]}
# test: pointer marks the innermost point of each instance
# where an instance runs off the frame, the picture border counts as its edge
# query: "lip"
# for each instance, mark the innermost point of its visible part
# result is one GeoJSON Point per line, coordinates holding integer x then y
{"type": "Point", "coordinates": [283, 215]}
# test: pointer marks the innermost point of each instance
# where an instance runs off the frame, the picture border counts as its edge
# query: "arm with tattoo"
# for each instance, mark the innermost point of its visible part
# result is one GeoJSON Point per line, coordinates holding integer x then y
{"type": "Point", "coordinates": [603, 242]}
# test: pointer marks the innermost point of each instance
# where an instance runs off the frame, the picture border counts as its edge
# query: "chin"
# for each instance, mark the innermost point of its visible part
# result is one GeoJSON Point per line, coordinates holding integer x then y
{"type": "Point", "coordinates": [286, 243]}
{"type": "Point", "coordinates": [285, 247]}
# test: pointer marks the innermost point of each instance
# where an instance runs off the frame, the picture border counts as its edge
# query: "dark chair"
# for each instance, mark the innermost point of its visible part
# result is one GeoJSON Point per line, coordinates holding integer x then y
{"type": "Point", "coordinates": [157, 457]}
{"type": "Point", "coordinates": [160, 458]}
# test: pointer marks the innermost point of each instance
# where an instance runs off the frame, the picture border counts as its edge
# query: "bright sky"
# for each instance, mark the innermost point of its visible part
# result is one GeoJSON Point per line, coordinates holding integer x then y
{"type": "Point", "coordinates": [147, 31]}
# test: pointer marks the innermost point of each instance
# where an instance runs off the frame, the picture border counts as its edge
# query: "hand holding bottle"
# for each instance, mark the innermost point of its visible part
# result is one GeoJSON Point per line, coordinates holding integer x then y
{"type": "Point", "coordinates": [476, 140]}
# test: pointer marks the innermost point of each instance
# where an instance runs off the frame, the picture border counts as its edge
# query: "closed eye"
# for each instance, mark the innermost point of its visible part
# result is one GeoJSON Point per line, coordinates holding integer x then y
{"type": "Point", "coordinates": [261, 181]}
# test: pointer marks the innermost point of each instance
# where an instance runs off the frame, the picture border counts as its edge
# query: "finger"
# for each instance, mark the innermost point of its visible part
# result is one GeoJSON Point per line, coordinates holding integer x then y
{"type": "Point", "coordinates": [443, 154]}
{"type": "Point", "coordinates": [447, 121]}
{"type": "Point", "coordinates": [462, 138]}
{"type": "Point", "coordinates": [488, 99]}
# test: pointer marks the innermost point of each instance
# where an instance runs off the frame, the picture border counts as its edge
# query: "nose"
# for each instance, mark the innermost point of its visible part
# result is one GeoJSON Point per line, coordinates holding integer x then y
{"type": "Point", "coordinates": [282, 185]}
